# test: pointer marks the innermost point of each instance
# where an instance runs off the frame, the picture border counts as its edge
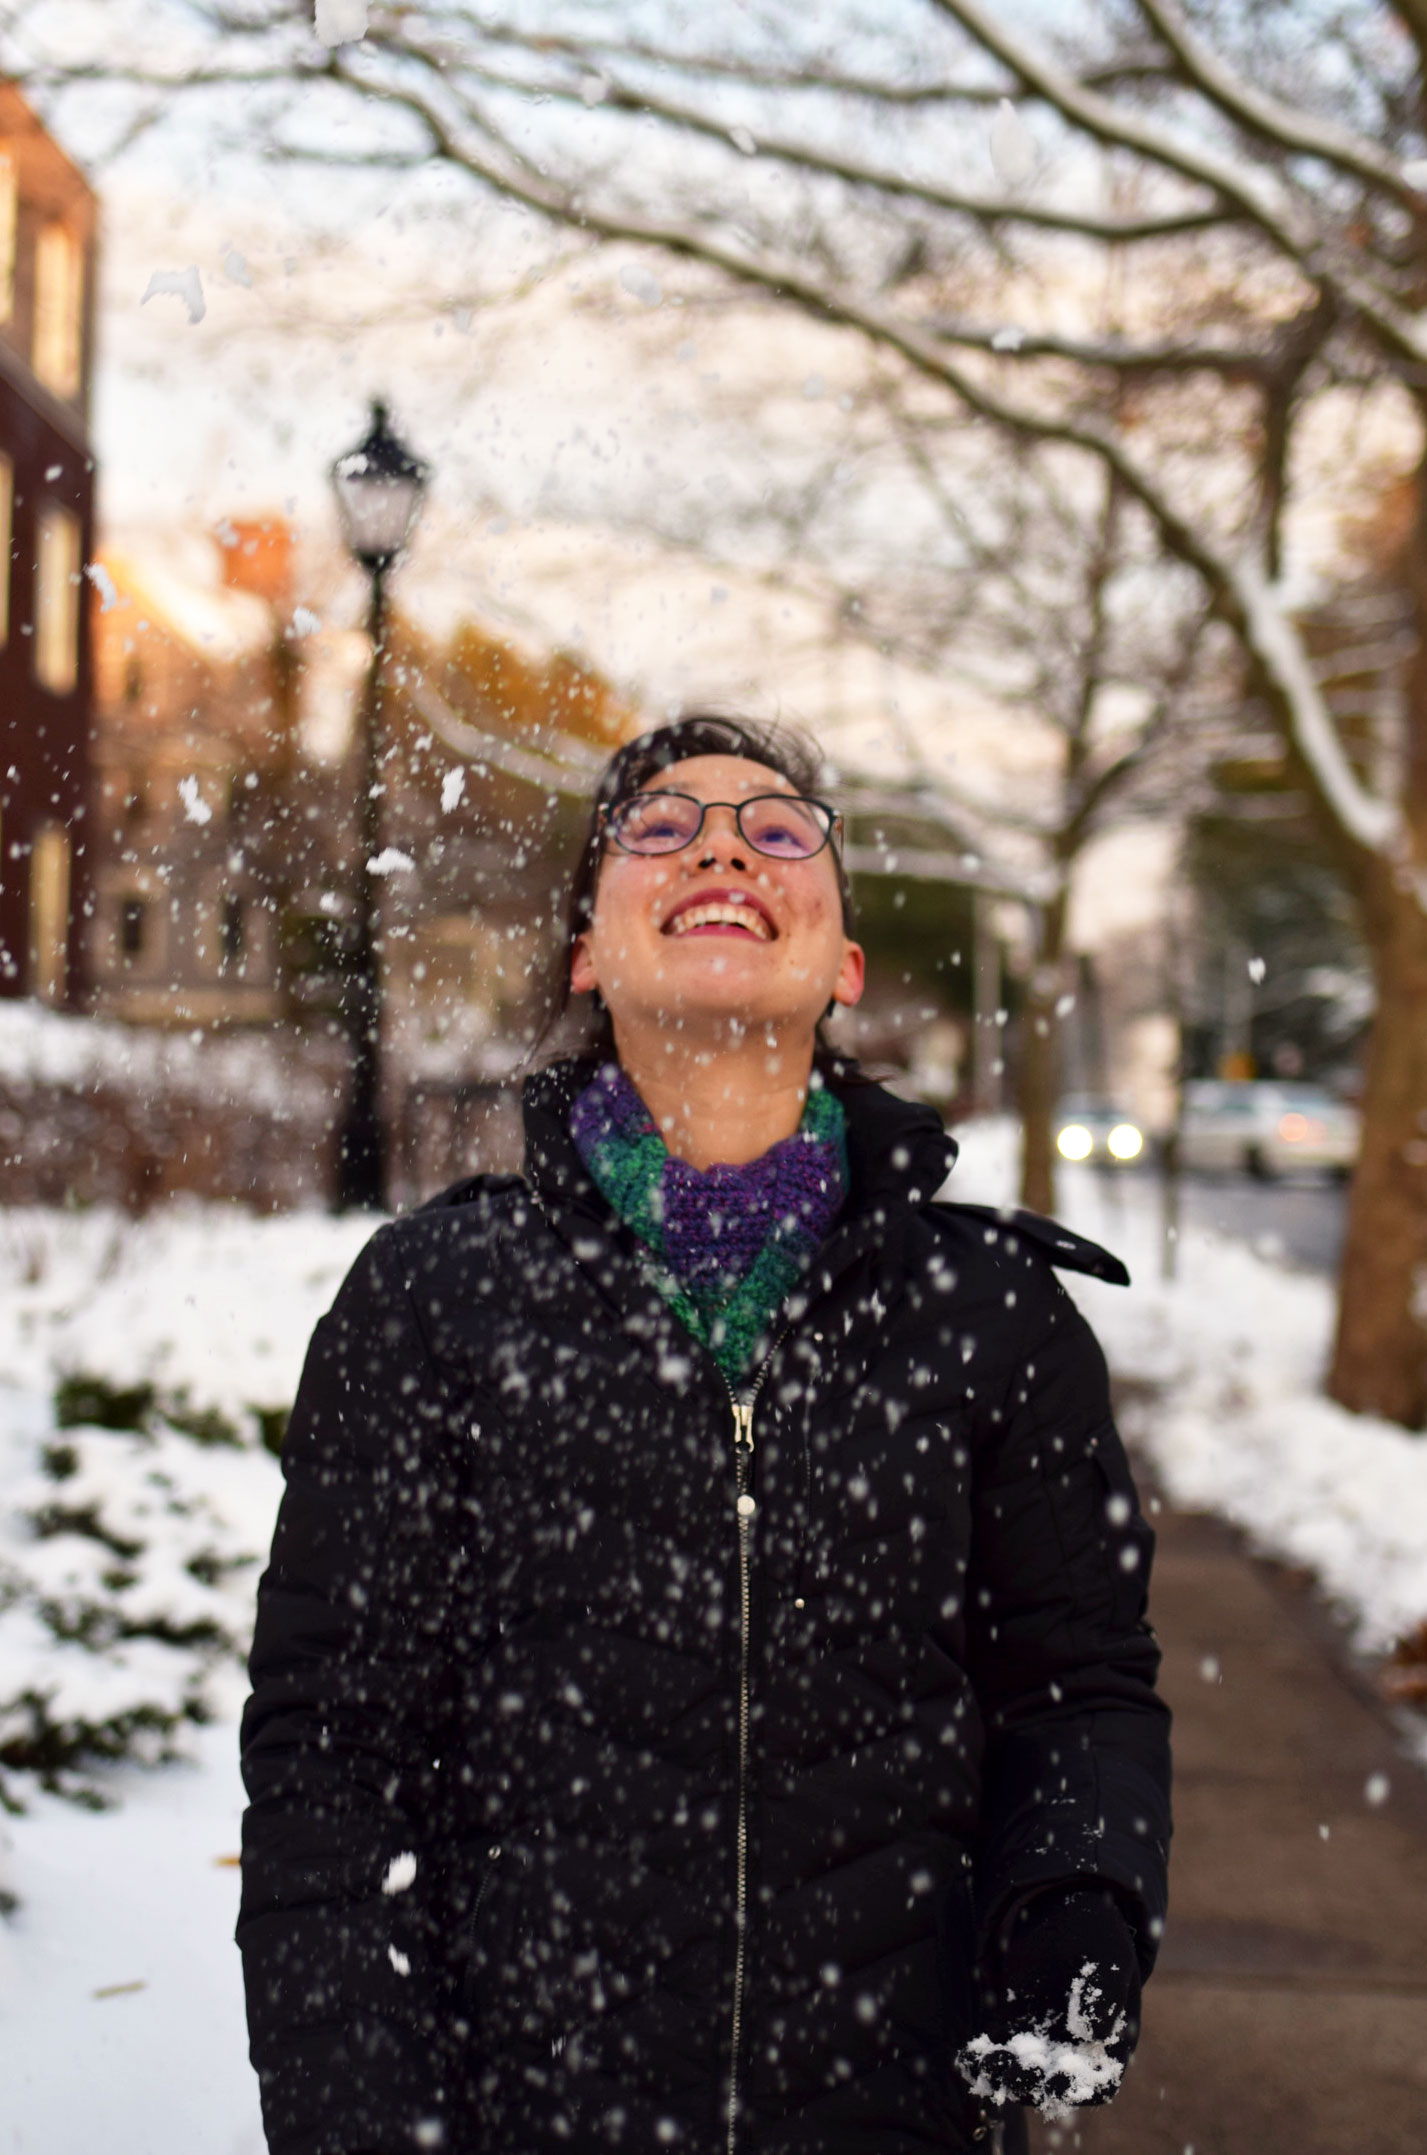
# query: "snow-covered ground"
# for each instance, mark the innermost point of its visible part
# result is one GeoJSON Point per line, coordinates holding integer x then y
{"type": "Point", "coordinates": [128, 1559]}
{"type": "Point", "coordinates": [1236, 1347]}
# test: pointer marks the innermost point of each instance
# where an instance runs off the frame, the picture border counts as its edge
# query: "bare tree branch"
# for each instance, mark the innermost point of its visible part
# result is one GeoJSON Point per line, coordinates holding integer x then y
{"type": "Point", "coordinates": [1235, 362]}
{"type": "Point", "coordinates": [1281, 220]}
{"type": "Point", "coordinates": [1005, 209]}
{"type": "Point", "coordinates": [1270, 119]}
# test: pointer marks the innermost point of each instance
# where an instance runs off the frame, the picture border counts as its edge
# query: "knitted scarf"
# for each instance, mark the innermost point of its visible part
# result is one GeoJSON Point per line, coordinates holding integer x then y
{"type": "Point", "coordinates": [727, 1243]}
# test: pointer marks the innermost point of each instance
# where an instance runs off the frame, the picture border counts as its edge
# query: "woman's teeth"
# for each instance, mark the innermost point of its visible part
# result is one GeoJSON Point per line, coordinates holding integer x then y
{"type": "Point", "coordinates": [721, 915]}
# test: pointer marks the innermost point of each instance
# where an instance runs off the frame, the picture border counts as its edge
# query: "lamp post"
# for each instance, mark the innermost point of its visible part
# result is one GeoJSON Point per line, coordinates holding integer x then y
{"type": "Point", "coordinates": [379, 486]}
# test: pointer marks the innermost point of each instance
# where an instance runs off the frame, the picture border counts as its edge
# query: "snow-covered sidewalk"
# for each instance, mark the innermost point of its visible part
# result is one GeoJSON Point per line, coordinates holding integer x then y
{"type": "Point", "coordinates": [128, 1558]}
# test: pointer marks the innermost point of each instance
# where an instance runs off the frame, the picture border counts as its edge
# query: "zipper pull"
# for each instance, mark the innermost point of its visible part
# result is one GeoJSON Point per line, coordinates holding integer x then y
{"type": "Point", "coordinates": [743, 1424]}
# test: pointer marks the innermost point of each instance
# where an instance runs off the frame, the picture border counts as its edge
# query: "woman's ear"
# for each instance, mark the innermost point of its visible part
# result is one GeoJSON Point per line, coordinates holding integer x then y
{"type": "Point", "coordinates": [583, 975]}
{"type": "Point", "coordinates": [851, 975]}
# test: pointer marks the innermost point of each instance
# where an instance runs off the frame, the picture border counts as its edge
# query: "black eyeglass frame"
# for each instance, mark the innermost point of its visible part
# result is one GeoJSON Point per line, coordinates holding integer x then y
{"type": "Point", "coordinates": [669, 793]}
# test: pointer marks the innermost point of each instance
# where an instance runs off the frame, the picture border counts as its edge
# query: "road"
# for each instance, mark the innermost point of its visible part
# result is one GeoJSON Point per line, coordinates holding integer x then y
{"type": "Point", "coordinates": [1298, 1223]}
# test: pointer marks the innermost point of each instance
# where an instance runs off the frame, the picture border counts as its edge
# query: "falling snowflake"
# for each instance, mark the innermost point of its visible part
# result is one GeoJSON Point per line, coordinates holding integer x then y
{"type": "Point", "coordinates": [389, 861]}
{"type": "Point", "coordinates": [1013, 152]}
{"type": "Point", "coordinates": [304, 621]}
{"type": "Point", "coordinates": [184, 284]}
{"type": "Point", "coordinates": [103, 583]}
{"type": "Point", "coordinates": [453, 785]}
{"type": "Point", "coordinates": [195, 807]}
{"type": "Point", "coordinates": [400, 1873]}
{"type": "Point", "coordinates": [642, 284]}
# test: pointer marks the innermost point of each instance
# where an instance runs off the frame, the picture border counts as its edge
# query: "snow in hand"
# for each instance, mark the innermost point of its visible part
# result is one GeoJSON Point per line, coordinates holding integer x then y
{"type": "Point", "coordinates": [184, 284]}
{"type": "Point", "coordinates": [1070, 2073]}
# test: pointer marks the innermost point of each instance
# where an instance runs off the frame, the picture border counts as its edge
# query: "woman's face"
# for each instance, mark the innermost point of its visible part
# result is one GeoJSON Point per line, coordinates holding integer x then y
{"type": "Point", "coordinates": [773, 954]}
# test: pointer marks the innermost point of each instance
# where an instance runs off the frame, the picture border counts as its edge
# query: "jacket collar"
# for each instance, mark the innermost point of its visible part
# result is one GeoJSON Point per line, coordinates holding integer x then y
{"type": "Point", "coordinates": [897, 1151]}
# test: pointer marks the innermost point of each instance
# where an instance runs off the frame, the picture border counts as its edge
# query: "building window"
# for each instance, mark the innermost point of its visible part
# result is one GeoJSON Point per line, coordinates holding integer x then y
{"type": "Point", "coordinates": [59, 309]}
{"type": "Point", "coordinates": [7, 542]}
{"type": "Point", "coordinates": [49, 913]}
{"type": "Point", "coordinates": [57, 600]}
{"type": "Point", "coordinates": [133, 927]}
{"type": "Point", "coordinates": [9, 215]}
{"type": "Point", "coordinates": [232, 934]}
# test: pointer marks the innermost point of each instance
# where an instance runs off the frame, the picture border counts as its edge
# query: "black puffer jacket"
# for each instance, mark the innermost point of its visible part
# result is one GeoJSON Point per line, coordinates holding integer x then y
{"type": "Point", "coordinates": [610, 1744]}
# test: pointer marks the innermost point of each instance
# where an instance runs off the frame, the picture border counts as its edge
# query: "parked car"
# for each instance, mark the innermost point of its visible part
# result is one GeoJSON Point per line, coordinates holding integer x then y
{"type": "Point", "coordinates": [1265, 1129]}
{"type": "Point", "coordinates": [1101, 1131]}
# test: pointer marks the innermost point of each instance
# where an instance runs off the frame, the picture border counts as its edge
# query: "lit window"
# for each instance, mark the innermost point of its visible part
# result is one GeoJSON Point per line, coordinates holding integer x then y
{"type": "Point", "coordinates": [59, 309]}
{"type": "Point", "coordinates": [9, 212]}
{"type": "Point", "coordinates": [49, 913]}
{"type": "Point", "coordinates": [57, 600]}
{"type": "Point", "coordinates": [7, 537]}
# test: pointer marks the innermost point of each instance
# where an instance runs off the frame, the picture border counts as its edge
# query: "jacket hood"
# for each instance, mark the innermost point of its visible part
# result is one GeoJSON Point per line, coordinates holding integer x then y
{"type": "Point", "coordinates": [897, 1150]}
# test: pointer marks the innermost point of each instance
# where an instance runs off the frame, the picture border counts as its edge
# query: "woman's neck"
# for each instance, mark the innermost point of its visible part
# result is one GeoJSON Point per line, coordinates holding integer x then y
{"type": "Point", "coordinates": [720, 1107]}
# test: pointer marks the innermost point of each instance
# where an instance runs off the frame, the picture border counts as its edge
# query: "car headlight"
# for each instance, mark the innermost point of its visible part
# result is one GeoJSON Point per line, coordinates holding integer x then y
{"type": "Point", "coordinates": [1125, 1141]}
{"type": "Point", "coordinates": [1075, 1142]}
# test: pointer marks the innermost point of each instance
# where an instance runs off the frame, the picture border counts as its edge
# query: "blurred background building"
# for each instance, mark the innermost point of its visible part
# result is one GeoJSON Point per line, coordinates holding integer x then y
{"type": "Point", "coordinates": [47, 259]}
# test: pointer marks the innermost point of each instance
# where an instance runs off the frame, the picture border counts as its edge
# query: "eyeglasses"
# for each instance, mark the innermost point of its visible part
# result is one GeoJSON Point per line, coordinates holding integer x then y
{"type": "Point", "coordinates": [782, 826]}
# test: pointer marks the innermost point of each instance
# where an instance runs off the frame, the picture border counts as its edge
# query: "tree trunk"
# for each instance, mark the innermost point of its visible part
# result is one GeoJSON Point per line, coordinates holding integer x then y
{"type": "Point", "coordinates": [1040, 1063]}
{"type": "Point", "coordinates": [1380, 1352]}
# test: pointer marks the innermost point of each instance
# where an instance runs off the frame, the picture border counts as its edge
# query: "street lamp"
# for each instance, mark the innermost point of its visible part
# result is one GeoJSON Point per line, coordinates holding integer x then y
{"type": "Point", "coordinates": [379, 486]}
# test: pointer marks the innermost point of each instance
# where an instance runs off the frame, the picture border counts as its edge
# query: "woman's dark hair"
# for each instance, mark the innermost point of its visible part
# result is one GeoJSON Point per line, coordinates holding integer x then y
{"type": "Point", "coordinates": [780, 748]}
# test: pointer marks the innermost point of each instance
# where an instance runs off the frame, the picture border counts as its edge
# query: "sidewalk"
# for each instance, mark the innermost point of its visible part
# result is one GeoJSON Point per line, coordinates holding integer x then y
{"type": "Point", "coordinates": [1289, 2012]}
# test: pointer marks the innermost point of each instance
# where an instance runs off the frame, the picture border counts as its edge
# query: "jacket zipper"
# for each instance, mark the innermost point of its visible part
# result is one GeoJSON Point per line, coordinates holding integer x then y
{"type": "Point", "coordinates": [487, 1878]}
{"type": "Point", "coordinates": [744, 1509]}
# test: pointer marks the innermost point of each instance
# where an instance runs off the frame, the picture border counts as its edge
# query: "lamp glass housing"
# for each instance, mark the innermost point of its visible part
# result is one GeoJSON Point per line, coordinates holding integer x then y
{"type": "Point", "coordinates": [379, 487]}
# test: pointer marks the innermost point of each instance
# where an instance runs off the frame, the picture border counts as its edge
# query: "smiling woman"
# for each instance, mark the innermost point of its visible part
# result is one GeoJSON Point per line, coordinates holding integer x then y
{"type": "Point", "coordinates": [709, 1580]}
{"type": "Point", "coordinates": [714, 926]}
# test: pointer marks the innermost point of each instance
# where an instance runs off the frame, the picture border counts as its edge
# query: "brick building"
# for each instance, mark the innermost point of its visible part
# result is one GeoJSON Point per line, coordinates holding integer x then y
{"type": "Point", "coordinates": [226, 767]}
{"type": "Point", "coordinates": [48, 217]}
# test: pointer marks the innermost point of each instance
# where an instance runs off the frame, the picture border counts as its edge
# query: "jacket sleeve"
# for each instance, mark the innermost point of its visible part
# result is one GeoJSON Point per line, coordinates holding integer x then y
{"type": "Point", "coordinates": [1077, 1770]}
{"type": "Point", "coordinates": [348, 2012]}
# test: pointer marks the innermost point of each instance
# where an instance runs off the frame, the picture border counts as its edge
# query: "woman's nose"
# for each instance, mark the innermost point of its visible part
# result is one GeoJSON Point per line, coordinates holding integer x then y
{"type": "Point", "coordinates": [720, 841]}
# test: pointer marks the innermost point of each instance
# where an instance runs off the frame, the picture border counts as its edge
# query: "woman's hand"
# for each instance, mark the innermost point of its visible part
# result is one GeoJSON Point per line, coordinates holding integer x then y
{"type": "Point", "coordinates": [1063, 2005]}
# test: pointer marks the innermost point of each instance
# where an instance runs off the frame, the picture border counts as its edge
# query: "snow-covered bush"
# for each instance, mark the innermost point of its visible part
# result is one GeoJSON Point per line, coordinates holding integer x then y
{"type": "Point", "coordinates": [130, 1555]}
{"type": "Point", "coordinates": [146, 1369]}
